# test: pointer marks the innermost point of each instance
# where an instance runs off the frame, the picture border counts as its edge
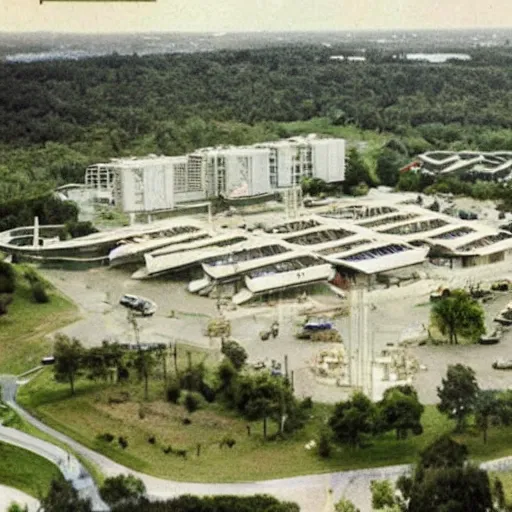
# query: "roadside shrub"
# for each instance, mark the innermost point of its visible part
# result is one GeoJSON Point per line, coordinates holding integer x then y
{"type": "Point", "coordinates": [106, 436]}
{"type": "Point", "coordinates": [121, 489]}
{"type": "Point", "coordinates": [173, 392]}
{"type": "Point", "coordinates": [39, 293]}
{"type": "Point", "coordinates": [123, 442]}
{"type": "Point", "coordinates": [192, 402]}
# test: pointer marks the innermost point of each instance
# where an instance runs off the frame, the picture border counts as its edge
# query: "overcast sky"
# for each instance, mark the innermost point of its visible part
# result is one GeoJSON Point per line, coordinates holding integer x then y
{"type": "Point", "coordinates": [251, 15]}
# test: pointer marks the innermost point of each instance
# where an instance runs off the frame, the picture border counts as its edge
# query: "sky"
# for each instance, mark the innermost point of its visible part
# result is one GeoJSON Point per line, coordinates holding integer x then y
{"type": "Point", "coordinates": [251, 15]}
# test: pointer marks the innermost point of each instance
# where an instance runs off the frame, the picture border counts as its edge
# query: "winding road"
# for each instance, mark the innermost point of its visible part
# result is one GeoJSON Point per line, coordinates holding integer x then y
{"type": "Point", "coordinates": [311, 492]}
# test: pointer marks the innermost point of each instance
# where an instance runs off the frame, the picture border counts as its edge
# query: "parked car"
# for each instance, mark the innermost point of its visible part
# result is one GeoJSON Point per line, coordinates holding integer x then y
{"type": "Point", "coordinates": [144, 306]}
{"type": "Point", "coordinates": [128, 300]}
{"type": "Point", "coordinates": [47, 360]}
{"type": "Point", "coordinates": [502, 364]}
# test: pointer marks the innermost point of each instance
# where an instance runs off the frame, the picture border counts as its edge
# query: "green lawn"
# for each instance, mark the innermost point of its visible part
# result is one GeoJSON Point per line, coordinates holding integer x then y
{"type": "Point", "coordinates": [506, 479]}
{"type": "Point", "coordinates": [23, 329]}
{"type": "Point", "coordinates": [25, 470]}
{"type": "Point", "coordinates": [91, 413]}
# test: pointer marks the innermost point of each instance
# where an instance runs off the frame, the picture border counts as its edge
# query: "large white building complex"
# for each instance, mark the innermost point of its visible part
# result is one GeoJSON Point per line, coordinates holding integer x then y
{"type": "Point", "coordinates": [160, 182]}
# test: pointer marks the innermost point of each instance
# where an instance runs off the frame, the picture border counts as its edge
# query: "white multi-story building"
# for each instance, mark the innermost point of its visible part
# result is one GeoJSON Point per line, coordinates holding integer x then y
{"type": "Point", "coordinates": [144, 185]}
{"type": "Point", "coordinates": [160, 183]}
{"type": "Point", "coordinates": [305, 157]}
{"type": "Point", "coordinates": [236, 171]}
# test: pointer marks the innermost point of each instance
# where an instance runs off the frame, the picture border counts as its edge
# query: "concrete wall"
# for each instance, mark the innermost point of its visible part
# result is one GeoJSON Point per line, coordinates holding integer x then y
{"type": "Point", "coordinates": [146, 186]}
{"type": "Point", "coordinates": [187, 197]}
{"type": "Point", "coordinates": [329, 159]}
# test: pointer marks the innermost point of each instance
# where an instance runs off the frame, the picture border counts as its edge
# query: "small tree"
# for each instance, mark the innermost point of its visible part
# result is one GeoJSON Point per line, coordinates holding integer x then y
{"type": "Point", "coordinates": [68, 355]}
{"type": "Point", "coordinates": [356, 172]}
{"type": "Point", "coordinates": [62, 497]}
{"type": "Point", "coordinates": [458, 314]}
{"type": "Point", "coordinates": [235, 353]}
{"type": "Point", "coordinates": [458, 393]}
{"type": "Point", "coordinates": [352, 419]}
{"type": "Point", "coordinates": [487, 408]}
{"type": "Point", "coordinates": [400, 410]}
{"type": "Point", "coordinates": [122, 489]}
{"type": "Point", "coordinates": [443, 481]}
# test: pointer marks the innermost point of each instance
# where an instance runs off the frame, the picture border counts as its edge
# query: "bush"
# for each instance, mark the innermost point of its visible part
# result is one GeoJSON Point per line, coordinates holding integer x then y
{"type": "Point", "coordinates": [324, 445]}
{"type": "Point", "coordinates": [307, 403]}
{"type": "Point", "coordinates": [192, 379]}
{"type": "Point", "coordinates": [173, 392]}
{"type": "Point", "coordinates": [152, 440]}
{"type": "Point", "coordinates": [7, 278]}
{"type": "Point", "coordinates": [208, 393]}
{"type": "Point", "coordinates": [106, 436]}
{"type": "Point", "coordinates": [359, 190]}
{"type": "Point", "coordinates": [39, 293]}
{"type": "Point", "coordinates": [227, 441]}
{"type": "Point", "coordinates": [5, 300]}
{"type": "Point", "coordinates": [123, 442]}
{"type": "Point", "coordinates": [192, 402]}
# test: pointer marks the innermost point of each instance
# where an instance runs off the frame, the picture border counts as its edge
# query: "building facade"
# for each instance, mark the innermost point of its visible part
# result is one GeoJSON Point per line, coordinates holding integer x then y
{"type": "Point", "coordinates": [160, 183]}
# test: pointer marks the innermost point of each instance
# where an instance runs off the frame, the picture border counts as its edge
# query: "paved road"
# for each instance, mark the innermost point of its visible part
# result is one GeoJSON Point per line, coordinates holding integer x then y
{"type": "Point", "coordinates": [68, 464]}
{"type": "Point", "coordinates": [310, 491]}
{"type": "Point", "coordinates": [9, 495]}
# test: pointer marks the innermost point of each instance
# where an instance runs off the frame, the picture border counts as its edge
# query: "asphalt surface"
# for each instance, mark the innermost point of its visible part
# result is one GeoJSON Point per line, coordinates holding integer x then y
{"type": "Point", "coordinates": [68, 464]}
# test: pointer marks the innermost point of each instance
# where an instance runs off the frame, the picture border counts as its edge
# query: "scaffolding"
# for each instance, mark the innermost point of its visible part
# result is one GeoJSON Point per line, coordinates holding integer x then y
{"type": "Point", "coordinates": [292, 198]}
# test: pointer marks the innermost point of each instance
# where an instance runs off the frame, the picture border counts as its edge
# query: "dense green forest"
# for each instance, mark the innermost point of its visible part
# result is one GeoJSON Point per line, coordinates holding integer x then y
{"type": "Point", "coordinates": [58, 116]}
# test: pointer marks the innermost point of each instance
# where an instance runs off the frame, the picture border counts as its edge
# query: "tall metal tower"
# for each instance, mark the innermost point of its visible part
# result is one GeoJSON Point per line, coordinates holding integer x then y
{"type": "Point", "coordinates": [360, 343]}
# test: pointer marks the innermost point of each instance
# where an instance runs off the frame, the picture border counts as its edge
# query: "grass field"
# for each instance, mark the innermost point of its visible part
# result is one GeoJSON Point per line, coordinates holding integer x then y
{"type": "Point", "coordinates": [506, 479]}
{"type": "Point", "coordinates": [23, 329]}
{"type": "Point", "coordinates": [90, 414]}
{"type": "Point", "coordinates": [25, 470]}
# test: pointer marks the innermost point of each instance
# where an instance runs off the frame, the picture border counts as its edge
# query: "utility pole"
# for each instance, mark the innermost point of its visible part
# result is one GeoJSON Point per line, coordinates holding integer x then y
{"type": "Point", "coordinates": [142, 356]}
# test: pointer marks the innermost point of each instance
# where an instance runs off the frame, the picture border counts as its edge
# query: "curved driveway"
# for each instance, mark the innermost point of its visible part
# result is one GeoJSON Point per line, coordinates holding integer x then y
{"type": "Point", "coordinates": [309, 491]}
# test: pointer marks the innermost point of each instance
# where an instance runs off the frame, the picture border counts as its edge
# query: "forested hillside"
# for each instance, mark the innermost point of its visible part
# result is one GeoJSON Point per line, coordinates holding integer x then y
{"type": "Point", "coordinates": [58, 116]}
